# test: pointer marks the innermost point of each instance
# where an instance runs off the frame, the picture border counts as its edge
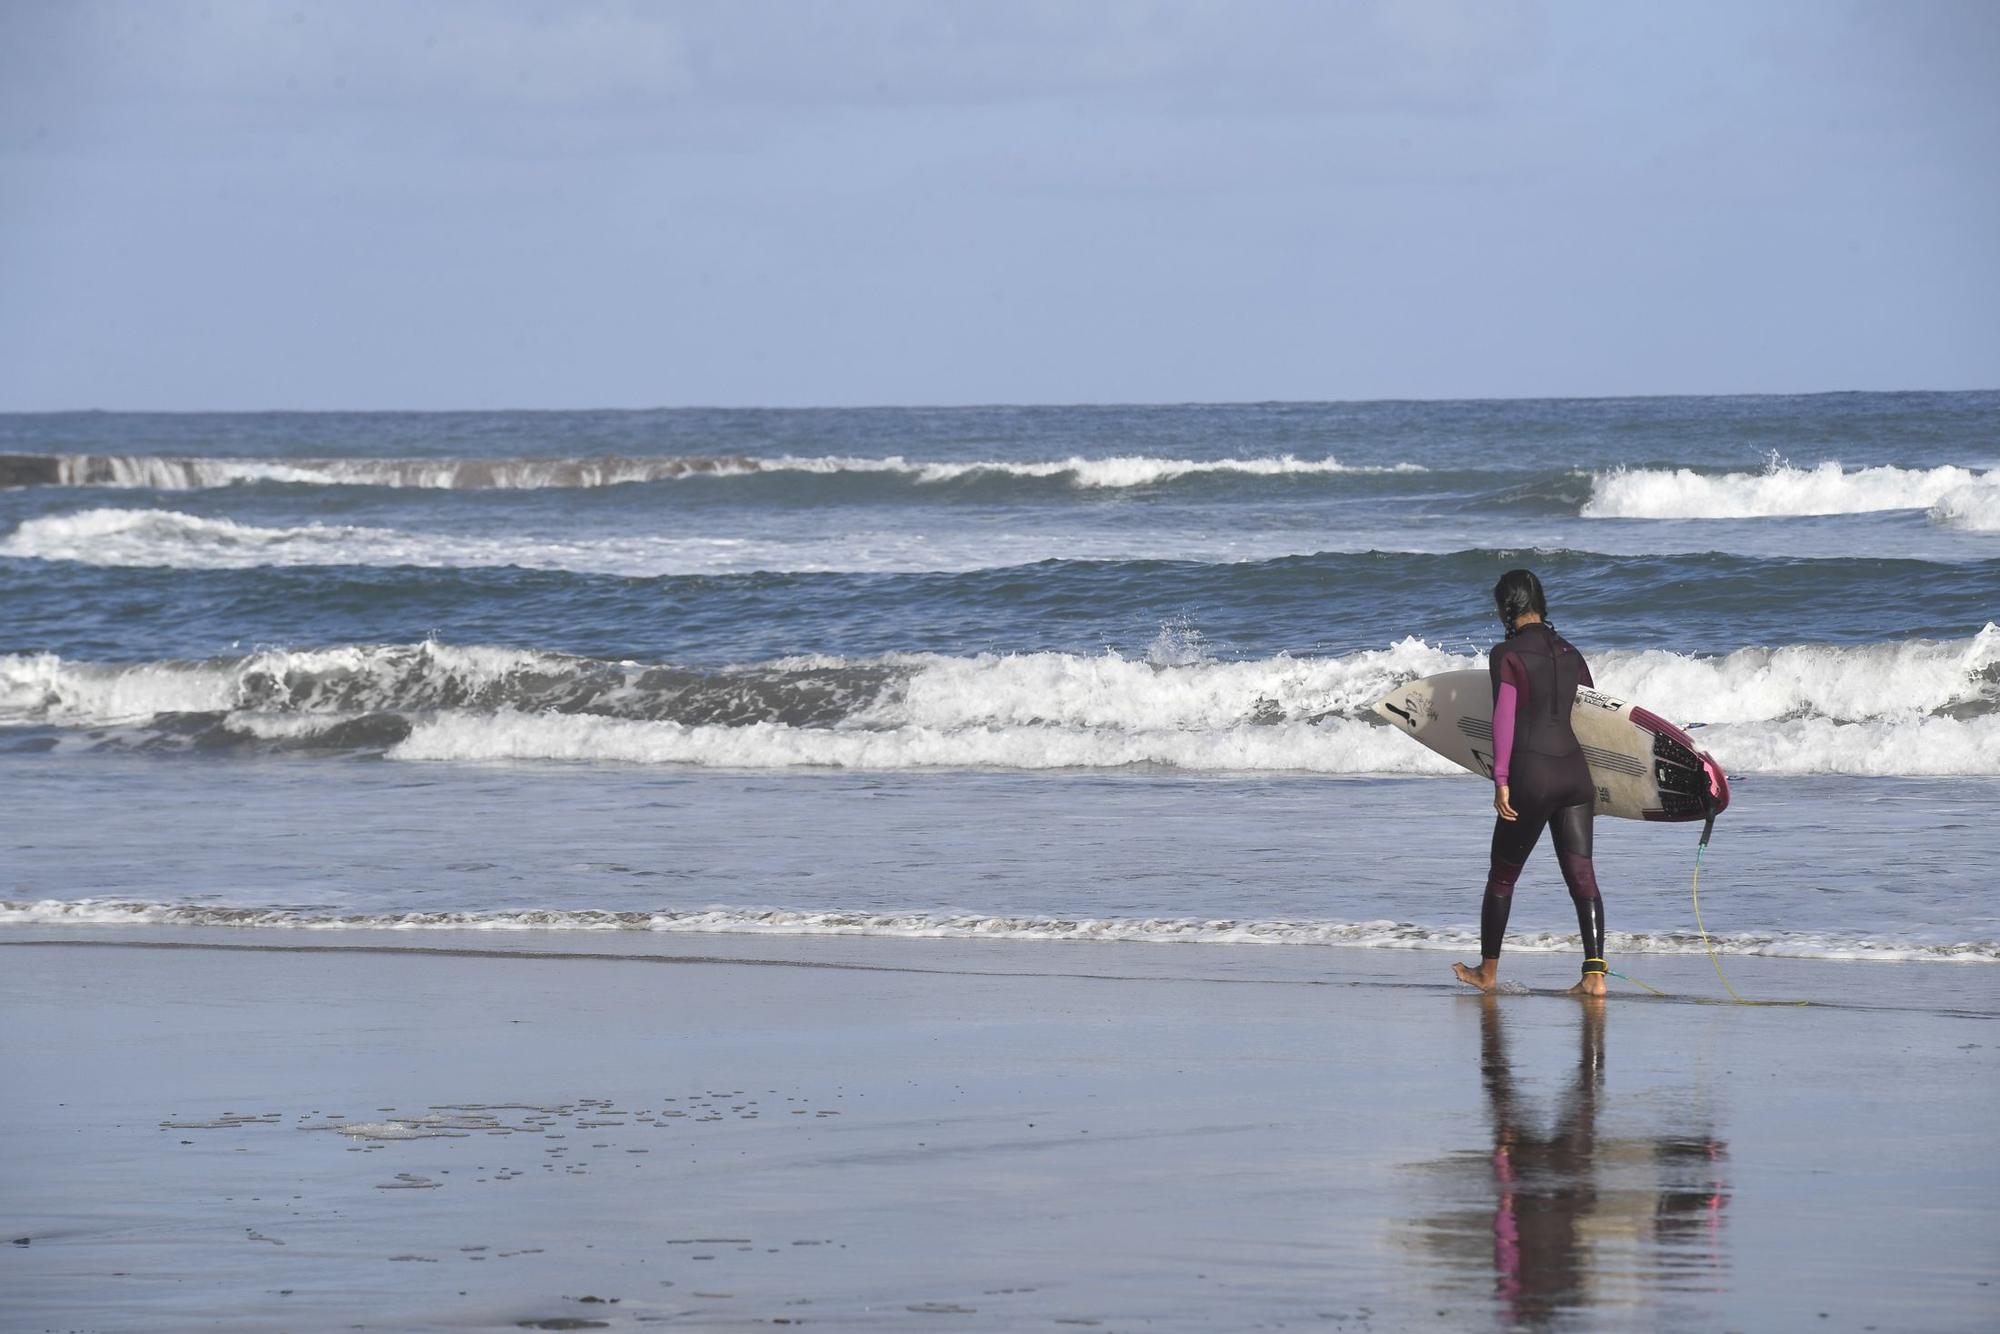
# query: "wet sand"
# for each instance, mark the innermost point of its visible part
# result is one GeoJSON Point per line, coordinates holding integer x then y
{"type": "Point", "coordinates": [246, 1130]}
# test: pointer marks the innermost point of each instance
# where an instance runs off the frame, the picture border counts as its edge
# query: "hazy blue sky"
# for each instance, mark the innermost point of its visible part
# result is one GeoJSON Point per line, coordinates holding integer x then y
{"type": "Point", "coordinates": [362, 205]}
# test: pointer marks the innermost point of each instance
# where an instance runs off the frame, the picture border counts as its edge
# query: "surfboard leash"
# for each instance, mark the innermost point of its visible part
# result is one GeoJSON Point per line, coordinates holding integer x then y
{"type": "Point", "coordinates": [1701, 848]}
{"type": "Point", "coordinates": [1714, 958]}
{"type": "Point", "coordinates": [1635, 981]}
{"type": "Point", "coordinates": [1707, 829]}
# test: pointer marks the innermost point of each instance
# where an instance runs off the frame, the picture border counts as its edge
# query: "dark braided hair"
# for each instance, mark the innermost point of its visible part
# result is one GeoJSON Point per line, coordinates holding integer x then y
{"type": "Point", "coordinates": [1518, 593]}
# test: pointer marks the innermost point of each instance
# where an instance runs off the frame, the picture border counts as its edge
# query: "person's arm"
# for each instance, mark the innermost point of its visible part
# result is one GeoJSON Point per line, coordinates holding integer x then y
{"type": "Point", "coordinates": [1507, 702]}
{"type": "Point", "coordinates": [1583, 672]}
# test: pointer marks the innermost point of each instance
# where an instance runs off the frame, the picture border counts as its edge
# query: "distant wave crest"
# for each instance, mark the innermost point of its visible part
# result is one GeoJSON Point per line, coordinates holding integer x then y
{"type": "Point", "coordinates": [165, 473]}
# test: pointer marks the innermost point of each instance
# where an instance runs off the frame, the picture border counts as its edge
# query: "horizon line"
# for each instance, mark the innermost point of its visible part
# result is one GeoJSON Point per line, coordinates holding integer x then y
{"type": "Point", "coordinates": [976, 407]}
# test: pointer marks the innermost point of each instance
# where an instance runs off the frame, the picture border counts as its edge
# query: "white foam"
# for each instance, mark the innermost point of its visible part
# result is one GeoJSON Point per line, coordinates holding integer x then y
{"type": "Point", "coordinates": [1780, 490]}
{"type": "Point", "coordinates": [36, 687]}
{"type": "Point", "coordinates": [1338, 746]}
{"type": "Point", "coordinates": [1142, 470]}
{"type": "Point", "coordinates": [1185, 693]}
{"type": "Point", "coordinates": [162, 473]}
{"type": "Point", "coordinates": [1181, 690]}
{"type": "Point", "coordinates": [1118, 471]}
{"type": "Point", "coordinates": [1918, 747]}
{"type": "Point", "coordinates": [1857, 681]}
{"type": "Point", "coordinates": [41, 687]}
{"type": "Point", "coordinates": [133, 537]}
{"type": "Point", "coordinates": [1910, 748]}
{"type": "Point", "coordinates": [1379, 934]}
{"type": "Point", "coordinates": [284, 726]}
{"type": "Point", "coordinates": [149, 472]}
{"type": "Point", "coordinates": [1867, 709]}
{"type": "Point", "coordinates": [1907, 708]}
{"type": "Point", "coordinates": [170, 539]}
{"type": "Point", "coordinates": [1974, 507]}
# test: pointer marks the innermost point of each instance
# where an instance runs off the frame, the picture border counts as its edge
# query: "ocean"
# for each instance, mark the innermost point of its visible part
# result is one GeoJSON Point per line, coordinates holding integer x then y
{"type": "Point", "coordinates": [1040, 673]}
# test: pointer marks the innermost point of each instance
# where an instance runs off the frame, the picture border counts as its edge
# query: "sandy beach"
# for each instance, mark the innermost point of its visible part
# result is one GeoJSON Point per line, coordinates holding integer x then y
{"type": "Point", "coordinates": [250, 1130]}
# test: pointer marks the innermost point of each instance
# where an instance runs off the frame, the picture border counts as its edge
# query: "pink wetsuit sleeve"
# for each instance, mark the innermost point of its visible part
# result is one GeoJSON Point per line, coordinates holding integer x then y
{"type": "Point", "coordinates": [1508, 701]}
{"type": "Point", "coordinates": [1503, 730]}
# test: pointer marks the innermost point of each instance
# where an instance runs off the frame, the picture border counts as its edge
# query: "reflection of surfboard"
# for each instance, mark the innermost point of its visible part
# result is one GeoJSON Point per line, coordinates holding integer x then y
{"type": "Point", "coordinates": [1644, 767]}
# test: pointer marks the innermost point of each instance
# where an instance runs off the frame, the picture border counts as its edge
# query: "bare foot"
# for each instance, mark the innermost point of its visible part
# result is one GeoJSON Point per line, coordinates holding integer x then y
{"type": "Point", "coordinates": [1590, 984]}
{"type": "Point", "coordinates": [1485, 977]}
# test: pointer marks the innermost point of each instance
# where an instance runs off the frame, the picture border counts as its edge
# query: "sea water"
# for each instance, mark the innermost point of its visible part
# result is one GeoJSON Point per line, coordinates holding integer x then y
{"type": "Point", "coordinates": [1043, 673]}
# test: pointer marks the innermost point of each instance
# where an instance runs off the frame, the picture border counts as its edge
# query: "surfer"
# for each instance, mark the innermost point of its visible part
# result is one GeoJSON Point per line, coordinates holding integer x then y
{"type": "Point", "coordinates": [1540, 778]}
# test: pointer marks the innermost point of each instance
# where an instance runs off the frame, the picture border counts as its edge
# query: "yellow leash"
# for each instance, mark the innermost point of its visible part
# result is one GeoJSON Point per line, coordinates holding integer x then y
{"type": "Point", "coordinates": [1707, 944]}
{"type": "Point", "coordinates": [1637, 983]}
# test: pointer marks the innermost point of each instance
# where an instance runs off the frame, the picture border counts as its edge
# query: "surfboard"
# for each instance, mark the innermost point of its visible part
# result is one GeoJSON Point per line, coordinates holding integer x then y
{"type": "Point", "coordinates": [1643, 767]}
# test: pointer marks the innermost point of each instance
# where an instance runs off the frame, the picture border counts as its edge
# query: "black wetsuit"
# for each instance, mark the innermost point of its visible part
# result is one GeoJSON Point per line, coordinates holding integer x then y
{"type": "Point", "coordinates": [1549, 784]}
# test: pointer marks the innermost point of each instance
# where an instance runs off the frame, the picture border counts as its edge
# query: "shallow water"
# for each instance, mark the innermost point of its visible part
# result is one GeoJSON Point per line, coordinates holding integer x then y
{"type": "Point", "coordinates": [1896, 868]}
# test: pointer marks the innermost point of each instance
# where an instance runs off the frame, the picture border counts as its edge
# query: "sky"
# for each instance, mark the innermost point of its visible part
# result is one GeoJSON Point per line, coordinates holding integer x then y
{"type": "Point", "coordinates": [357, 205]}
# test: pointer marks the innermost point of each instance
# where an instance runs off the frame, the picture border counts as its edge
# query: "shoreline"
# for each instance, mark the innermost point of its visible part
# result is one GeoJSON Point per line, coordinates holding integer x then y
{"type": "Point", "coordinates": [85, 915]}
{"type": "Point", "coordinates": [1958, 985]}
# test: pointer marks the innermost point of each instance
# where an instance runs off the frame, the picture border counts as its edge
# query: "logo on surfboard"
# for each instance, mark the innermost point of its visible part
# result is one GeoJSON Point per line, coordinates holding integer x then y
{"type": "Point", "coordinates": [1414, 706]}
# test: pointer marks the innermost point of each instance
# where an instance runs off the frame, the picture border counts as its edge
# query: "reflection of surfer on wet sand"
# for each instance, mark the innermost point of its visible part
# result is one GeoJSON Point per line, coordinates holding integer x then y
{"type": "Point", "coordinates": [1552, 1195]}
{"type": "Point", "coordinates": [1542, 1184]}
{"type": "Point", "coordinates": [1566, 1200]}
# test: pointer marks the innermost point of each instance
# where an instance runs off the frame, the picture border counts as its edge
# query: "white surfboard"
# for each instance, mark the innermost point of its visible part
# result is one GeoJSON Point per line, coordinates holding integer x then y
{"type": "Point", "coordinates": [1644, 768]}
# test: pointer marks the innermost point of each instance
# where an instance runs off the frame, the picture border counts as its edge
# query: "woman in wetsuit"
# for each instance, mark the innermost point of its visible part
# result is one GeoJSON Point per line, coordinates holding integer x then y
{"type": "Point", "coordinates": [1539, 778]}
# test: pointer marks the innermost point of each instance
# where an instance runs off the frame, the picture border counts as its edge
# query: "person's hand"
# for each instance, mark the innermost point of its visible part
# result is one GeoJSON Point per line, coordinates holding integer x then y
{"type": "Point", "coordinates": [1501, 804]}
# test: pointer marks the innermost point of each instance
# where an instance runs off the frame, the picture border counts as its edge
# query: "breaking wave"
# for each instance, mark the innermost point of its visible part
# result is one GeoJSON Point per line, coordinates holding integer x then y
{"type": "Point", "coordinates": [1910, 708]}
{"type": "Point", "coordinates": [1784, 490]}
{"type": "Point", "coordinates": [1974, 507]}
{"type": "Point", "coordinates": [161, 473]}
{"type": "Point", "coordinates": [1382, 934]}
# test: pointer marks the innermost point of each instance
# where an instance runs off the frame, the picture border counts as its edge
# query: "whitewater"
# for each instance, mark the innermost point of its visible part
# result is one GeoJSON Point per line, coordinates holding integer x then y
{"type": "Point", "coordinates": [171, 539]}
{"type": "Point", "coordinates": [1965, 497]}
{"type": "Point", "coordinates": [1910, 708]}
{"type": "Point", "coordinates": [1383, 934]}
{"type": "Point", "coordinates": [155, 473]}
